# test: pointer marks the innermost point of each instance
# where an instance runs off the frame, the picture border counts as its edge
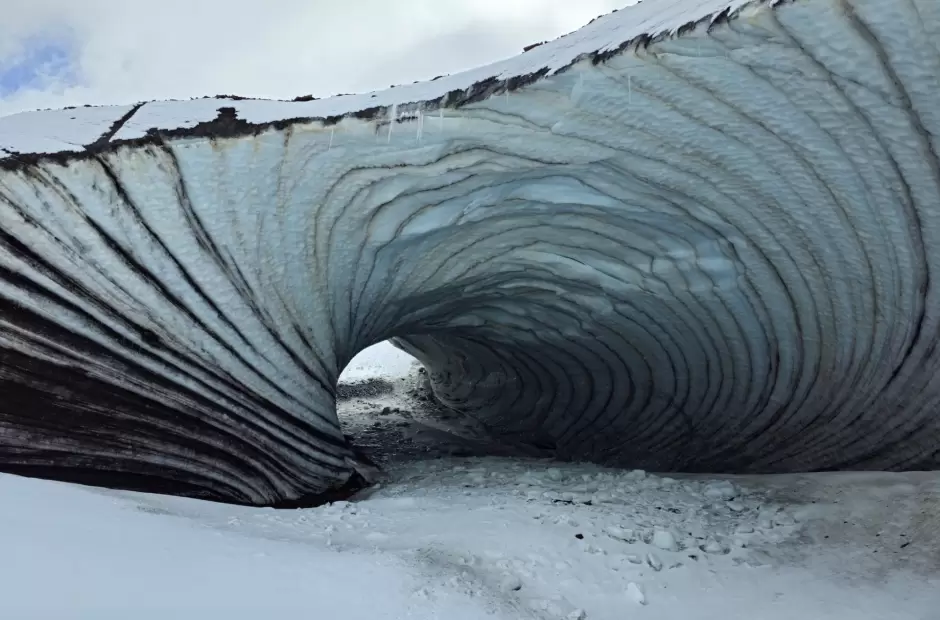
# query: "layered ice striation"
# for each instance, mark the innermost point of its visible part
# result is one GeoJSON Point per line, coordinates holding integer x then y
{"type": "Point", "coordinates": [694, 235]}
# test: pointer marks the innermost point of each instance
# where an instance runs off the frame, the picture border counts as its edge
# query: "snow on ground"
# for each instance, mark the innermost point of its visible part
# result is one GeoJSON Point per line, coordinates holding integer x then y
{"type": "Point", "coordinates": [473, 536]}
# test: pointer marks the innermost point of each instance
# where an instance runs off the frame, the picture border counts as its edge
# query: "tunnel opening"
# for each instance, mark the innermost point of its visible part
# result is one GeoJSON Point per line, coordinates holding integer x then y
{"type": "Point", "coordinates": [388, 412]}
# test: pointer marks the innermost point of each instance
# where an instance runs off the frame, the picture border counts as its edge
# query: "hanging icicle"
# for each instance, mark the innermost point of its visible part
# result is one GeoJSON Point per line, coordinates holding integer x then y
{"type": "Point", "coordinates": [393, 114]}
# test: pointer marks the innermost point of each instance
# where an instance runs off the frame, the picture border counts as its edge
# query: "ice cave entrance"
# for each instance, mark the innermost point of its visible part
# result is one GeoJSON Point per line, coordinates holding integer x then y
{"type": "Point", "coordinates": [381, 360]}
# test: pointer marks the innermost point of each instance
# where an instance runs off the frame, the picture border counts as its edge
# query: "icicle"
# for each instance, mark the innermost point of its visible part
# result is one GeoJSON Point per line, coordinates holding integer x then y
{"type": "Point", "coordinates": [332, 131]}
{"type": "Point", "coordinates": [577, 90]}
{"type": "Point", "coordinates": [420, 125]}
{"type": "Point", "coordinates": [629, 89]}
{"type": "Point", "coordinates": [391, 121]}
{"type": "Point", "coordinates": [441, 112]}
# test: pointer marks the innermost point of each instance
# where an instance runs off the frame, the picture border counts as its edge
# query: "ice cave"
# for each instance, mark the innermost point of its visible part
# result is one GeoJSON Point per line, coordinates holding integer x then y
{"type": "Point", "coordinates": [694, 235]}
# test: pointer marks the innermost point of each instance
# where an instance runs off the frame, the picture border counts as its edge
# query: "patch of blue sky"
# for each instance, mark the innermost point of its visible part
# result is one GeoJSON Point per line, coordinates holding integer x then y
{"type": "Point", "coordinates": [40, 62]}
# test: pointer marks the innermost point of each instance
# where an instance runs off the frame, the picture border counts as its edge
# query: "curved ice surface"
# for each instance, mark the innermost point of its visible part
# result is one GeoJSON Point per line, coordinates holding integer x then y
{"type": "Point", "coordinates": [693, 235]}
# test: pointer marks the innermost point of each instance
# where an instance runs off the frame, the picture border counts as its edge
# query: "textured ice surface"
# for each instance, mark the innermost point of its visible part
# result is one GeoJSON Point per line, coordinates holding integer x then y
{"type": "Point", "coordinates": [708, 249]}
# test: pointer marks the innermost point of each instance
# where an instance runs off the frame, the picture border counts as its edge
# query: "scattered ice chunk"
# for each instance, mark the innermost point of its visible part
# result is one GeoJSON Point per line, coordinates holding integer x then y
{"type": "Point", "coordinates": [635, 593]}
{"type": "Point", "coordinates": [712, 546]}
{"type": "Point", "coordinates": [565, 520]}
{"type": "Point", "coordinates": [665, 540]}
{"type": "Point", "coordinates": [720, 490]}
{"type": "Point", "coordinates": [510, 583]}
{"type": "Point", "coordinates": [654, 562]}
{"type": "Point", "coordinates": [623, 534]}
{"type": "Point", "coordinates": [552, 608]}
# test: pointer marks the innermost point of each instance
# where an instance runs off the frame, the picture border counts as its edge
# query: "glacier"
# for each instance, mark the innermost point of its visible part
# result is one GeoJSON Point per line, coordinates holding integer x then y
{"type": "Point", "coordinates": [695, 235]}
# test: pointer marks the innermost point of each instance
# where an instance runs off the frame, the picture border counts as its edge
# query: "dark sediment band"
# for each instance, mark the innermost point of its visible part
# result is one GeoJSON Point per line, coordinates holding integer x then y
{"type": "Point", "coordinates": [704, 252]}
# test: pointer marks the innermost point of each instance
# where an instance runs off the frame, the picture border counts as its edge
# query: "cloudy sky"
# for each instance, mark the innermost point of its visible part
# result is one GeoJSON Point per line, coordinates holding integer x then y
{"type": "Point", "coordinates": [55, 53]}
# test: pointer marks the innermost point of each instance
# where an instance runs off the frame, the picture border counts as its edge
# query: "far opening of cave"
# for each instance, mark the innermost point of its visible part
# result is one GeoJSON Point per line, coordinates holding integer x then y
{"type": "Point", "coordinates": [387, 410]}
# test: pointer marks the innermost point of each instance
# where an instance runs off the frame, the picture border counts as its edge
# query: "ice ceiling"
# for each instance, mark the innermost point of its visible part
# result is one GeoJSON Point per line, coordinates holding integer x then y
{"type": "Point", "coordinates": [694, 235]}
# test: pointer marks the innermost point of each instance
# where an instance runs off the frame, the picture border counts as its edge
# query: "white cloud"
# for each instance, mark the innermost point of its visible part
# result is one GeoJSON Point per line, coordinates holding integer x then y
{"type": "Point", "coordinates": [127, 51]}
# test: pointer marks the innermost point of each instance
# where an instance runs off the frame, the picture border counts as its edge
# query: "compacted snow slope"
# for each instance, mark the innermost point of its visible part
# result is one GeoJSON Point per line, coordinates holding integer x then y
{"type": "Point", "coordinates": [472, 538]}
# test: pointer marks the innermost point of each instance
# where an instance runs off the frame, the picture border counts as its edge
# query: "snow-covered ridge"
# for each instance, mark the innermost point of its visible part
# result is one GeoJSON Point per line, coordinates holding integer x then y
{"type": "Point", "coordinates": [72, 130]}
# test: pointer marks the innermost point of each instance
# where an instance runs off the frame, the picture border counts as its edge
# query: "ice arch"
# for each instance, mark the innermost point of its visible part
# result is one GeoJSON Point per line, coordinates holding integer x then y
{"type": "Point", "coordinates": [693, 235]}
